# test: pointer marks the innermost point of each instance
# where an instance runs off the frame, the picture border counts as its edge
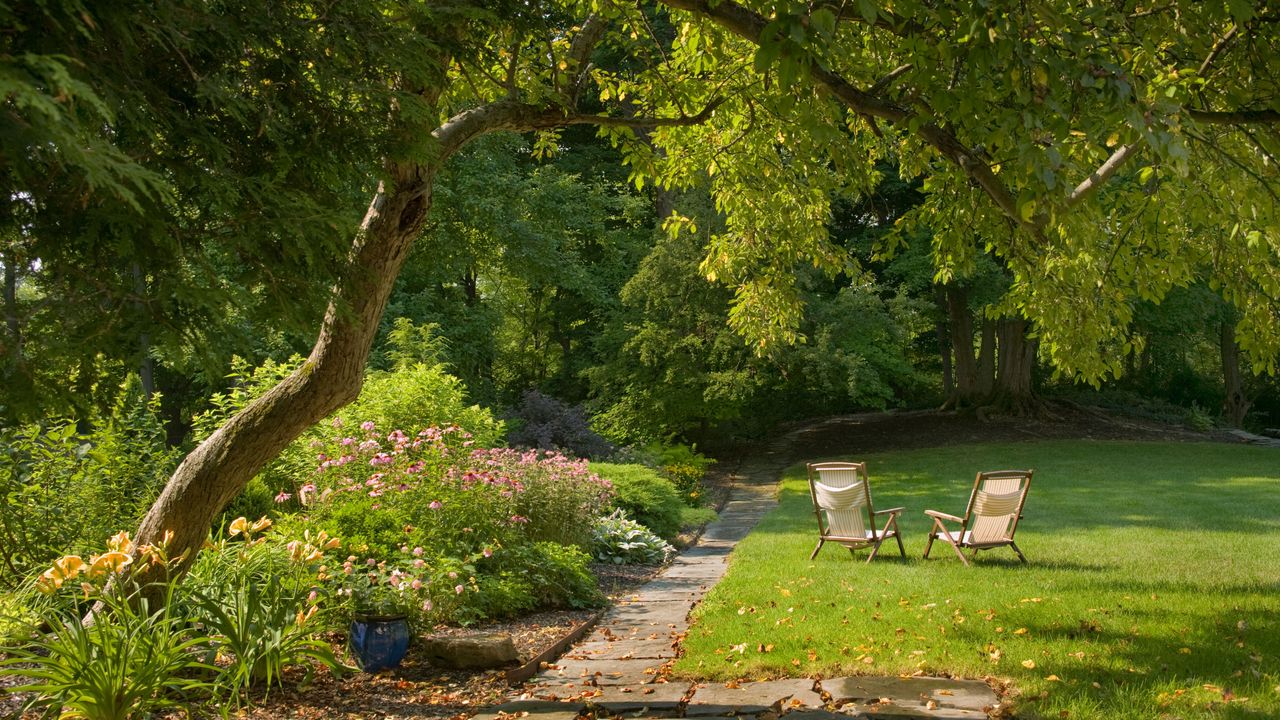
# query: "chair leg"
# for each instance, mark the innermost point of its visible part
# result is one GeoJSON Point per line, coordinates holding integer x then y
{"type": "Point", "coordinates": [875, 549]}
{"type": "Point", "coordinates": [898, 536]}
{"type": "Point", "coordinates": [1021, 557]}
{"type": "Point", "coordinates": [954, 546]}
{"type": "Point", "coordinates": [814, 554]}
{"type": "Point", "coordinates": [928, 545]}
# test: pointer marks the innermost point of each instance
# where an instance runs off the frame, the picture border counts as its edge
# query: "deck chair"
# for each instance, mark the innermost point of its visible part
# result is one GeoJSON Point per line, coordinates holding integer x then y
{"type": "Point", "coordinates": [991, 519]}
{"type": "Point", "coordinates": [842, 504]}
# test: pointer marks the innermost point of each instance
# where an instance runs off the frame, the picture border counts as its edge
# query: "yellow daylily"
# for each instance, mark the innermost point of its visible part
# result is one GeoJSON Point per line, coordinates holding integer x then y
{"type": "Point", "coordinates": [262, 524]}
{"type": "Point", "coordinates": [237, 526]}
{"type": "Point", "coordinates": [121, 543]}
{"type": "Point", "coordinates": [109, 562]}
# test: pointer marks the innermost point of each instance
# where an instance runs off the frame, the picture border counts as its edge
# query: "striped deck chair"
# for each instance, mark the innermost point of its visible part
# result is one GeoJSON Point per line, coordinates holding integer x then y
{"type": "Point", "coordinates": [991, 519]}
{"type": "Point", "coordinates": [842, 504]}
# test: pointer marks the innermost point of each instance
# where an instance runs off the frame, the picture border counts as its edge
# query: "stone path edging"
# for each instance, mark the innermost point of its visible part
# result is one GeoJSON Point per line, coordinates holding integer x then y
{"type": "Point", "coordinates": [618, 668]}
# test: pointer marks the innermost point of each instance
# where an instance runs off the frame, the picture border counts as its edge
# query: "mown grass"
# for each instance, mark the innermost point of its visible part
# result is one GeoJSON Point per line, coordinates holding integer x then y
{"type": "Point", "coordinates": [1151, 591]}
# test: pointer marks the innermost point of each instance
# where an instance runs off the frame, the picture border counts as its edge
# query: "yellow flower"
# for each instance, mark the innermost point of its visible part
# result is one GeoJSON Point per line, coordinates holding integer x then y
{"type": "Point", "coordinates": [262, 524]}
{"type": "Point", "coordinates": [239, 525]}
{"type": "Point", "coordinates": [120, 542]}
{"type": "Point", "coordinates": [108, 562]}
{"type": "Point", "coordinates": [64, 568]}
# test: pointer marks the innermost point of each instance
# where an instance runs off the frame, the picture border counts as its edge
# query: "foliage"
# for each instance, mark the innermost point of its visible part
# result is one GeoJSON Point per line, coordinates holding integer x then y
{"type": "Point", "coordinates": [62, 490]}
{"type": "Point", "coordinates": [258, 599]}
{"type": "Point", "coordinates": [1101, 598]}
{"type": "Point", "coordinates": [133, 660]}
{"type": "Point", "coordinates": [643, 494]}
{"type": "Point", "coordinates": [441, 530]}
{"type": "Point", "coordinates": [537, 575]}
{"type": "Point", "coordinates": [545, 423]}
{"type": "Point", "coordinates": [685, 467]}
{"type": "Point", "coordinates": [623, 541]}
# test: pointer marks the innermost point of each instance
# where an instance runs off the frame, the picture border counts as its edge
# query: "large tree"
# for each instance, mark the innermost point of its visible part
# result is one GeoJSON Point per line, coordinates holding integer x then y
{"type": "Point", "coordinates": [1105, 152]}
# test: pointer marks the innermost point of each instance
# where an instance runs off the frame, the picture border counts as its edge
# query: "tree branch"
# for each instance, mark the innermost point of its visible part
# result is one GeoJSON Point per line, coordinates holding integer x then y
{"type": "Point", "coordinates": [750, 26]}
{"type": "Point", "coordinates": [1235, 117]}
{"type": "Point", "coordinates": [1098, 177]}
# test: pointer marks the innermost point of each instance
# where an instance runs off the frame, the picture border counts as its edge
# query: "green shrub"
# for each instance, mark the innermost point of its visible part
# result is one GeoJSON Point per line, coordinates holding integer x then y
{"type": "Point", "coordinates": [623, 541]}
{"type": "Point", "coordinates": [63, 491]}
{"type": "Point", "coordinates": [686, 467]}
{"type": "Point", "coordinates": [645, 496]}
{"type": "Point", "coordinates": [558, 575]}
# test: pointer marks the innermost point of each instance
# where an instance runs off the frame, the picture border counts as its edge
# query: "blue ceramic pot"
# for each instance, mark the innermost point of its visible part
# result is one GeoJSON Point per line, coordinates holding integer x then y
{"type": "Point", "coordinates": [379, 642]}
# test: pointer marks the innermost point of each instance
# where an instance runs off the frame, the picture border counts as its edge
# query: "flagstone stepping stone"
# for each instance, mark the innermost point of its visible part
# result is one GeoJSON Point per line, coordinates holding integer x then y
{"type": "Point", "coordinates": [624, 649]}
{"type": "Point", "coordinates": [601, 672]}
{"type": "Point", "coordinates": [653, 697]}
{"type": "Point", "coordinates": [915, 693]}
{"type": "Point", "coordinates": [751, 697]}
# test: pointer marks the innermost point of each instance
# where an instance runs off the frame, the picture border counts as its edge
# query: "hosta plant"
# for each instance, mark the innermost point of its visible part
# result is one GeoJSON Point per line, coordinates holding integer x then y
{"type": "Point", "coordinates": [623, 541]}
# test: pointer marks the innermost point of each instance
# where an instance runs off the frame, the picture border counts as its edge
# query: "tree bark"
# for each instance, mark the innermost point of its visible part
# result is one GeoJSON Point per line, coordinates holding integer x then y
{"type": "Point", "coordinates": [960, 327]}
{"type": "Point", "coordinates": [986, 372]}
{"type": "Point", "coordinates": [944, 346]}
{"type": "Point", "coordinates": [1236, 404]}
{"type": "Point", "coordinates": [1013, 388]}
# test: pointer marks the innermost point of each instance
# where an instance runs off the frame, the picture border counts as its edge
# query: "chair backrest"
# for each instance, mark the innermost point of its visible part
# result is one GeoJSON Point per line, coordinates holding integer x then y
{"type": "Point", "coordinates": [995, 505]}
{"type": "Point", "coordinates": [841, 494]}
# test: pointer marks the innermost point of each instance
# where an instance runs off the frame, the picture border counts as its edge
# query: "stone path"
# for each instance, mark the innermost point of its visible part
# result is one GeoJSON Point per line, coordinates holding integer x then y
{"type": "Point", "coordinates": [618, 668]}
{"type": "Point", "coordinates": [1252, 439]}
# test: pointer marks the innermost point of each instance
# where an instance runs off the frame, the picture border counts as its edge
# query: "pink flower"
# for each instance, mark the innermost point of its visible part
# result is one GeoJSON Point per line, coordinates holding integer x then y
{"type": "Point", "coordinates": [417, 552]}
{"type": "Point", "coordinates": [367, 426]}
{"type": "Point", "coordinates": [348, 441]}
{"type": "Point", "coordinates": [337, 422]}
{"type": "Point", "coordinates": [426, 606]}
{"type": "Point", "coordinates": [436, 505]}
{"type": "Point", "coordinates": [453, 575]}
{"type": "Point", "coordinates": [458, 589]}
{"type": "Point", "coordinates": [416, 584]}
{"type": "Point", "coordinates": [488, 552]}
{"type": "Point", "coordinates": [370, 561]}
{"type": "Point", "coordinates": [283, 496]}
{"type": "Point", "coordinates": [419, 563]}
{"type": "Point", "coordinates": [519, 519]}
{"type": "Point", "coordinates": [311, 597]}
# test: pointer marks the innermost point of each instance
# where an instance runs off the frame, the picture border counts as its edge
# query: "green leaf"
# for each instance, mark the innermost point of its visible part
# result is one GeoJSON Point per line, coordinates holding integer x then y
{"type": "Point", "coordinates": [868, 10]}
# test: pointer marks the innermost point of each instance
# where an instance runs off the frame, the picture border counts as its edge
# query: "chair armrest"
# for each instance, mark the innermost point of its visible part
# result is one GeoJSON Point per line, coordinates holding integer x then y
{"type": "Point", "coordinates": [893, 511]}
{"type": "Point", "coordinates": [943, 516]}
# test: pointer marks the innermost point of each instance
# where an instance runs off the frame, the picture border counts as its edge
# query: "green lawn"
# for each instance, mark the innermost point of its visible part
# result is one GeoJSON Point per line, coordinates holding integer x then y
{"type": "Point", "coordinates": [1152, 590]}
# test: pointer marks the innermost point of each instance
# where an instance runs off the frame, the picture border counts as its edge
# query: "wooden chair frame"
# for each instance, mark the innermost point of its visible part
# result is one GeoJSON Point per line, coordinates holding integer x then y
{"type": "Point", "coordinates": [959, 540]}
{"type": "Point", "coordinates": [854, 543]}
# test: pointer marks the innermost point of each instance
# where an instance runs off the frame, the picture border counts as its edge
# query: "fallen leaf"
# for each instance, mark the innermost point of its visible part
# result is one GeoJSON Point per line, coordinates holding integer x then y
{"type": "Point", "coordinates": [1052, 678]}
{"type": "Point", "coordinates": [1029, 664]}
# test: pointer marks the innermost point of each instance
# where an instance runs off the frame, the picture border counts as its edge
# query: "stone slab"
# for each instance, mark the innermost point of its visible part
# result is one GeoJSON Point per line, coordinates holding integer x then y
{"type": "Point", "coordinates": [815, 715]}
{"type": "Point", "coordinates": [972, 695]}
{"type": "Point", "coordinates": [653, 613]}
{"type": "Point", "coordinates": [708, 573]}
{"type": "Point", "coordinates": [654, 697]}
{"type": "Point", "coordinates": [624, 649]}
{"type": "Point", "coordinates": [752, 697]}
{"type": "Point", "coordinates": [601, 672]}
{"type": "Point", "coordinates": [895, 711]}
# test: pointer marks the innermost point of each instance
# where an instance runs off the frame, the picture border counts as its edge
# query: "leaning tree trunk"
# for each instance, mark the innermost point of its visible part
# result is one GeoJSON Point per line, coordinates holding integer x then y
{"type": "Point", "coordinates": [218, 469]}
{"type": "Point", "coordinates": [1236, 405]}
{"type": "Point", "coordinates": [1016, 358]}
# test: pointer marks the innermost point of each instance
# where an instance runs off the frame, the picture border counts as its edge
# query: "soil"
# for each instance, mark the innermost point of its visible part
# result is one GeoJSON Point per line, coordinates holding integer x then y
{"type": "Point", "coordinates": [419, 690]}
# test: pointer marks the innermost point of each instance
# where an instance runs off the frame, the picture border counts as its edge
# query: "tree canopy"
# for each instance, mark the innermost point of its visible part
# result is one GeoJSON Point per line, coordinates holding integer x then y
{"type": "Point", "coordinates": [173, 168]}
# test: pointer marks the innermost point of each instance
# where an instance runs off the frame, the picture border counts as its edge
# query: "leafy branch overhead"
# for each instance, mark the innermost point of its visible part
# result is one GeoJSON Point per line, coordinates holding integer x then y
{"type": "Point", "coordinates": [1074, 143]}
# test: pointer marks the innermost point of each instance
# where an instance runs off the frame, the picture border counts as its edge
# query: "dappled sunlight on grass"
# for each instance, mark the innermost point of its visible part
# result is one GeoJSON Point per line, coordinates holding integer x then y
{"type": "Point", "coordinates": [1152, 586]}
